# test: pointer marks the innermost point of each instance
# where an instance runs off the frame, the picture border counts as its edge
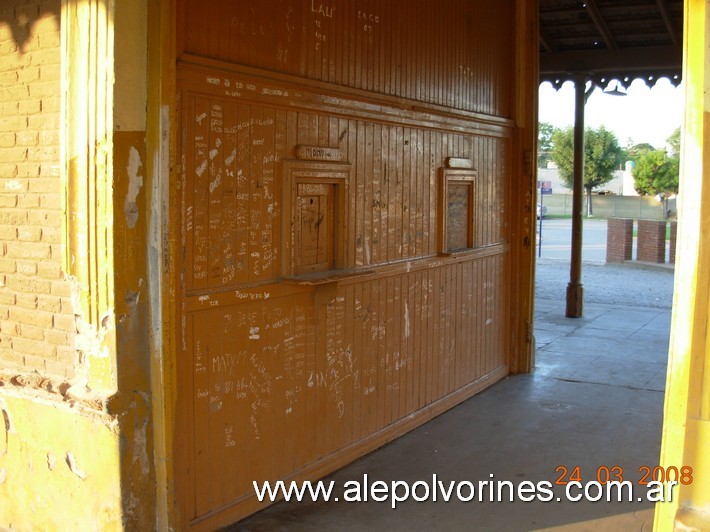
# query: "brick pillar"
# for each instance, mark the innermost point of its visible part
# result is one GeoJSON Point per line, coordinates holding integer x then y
{"type": "Point", "coordinates": [619, 239]}
{"type": "Point", "coordinates": [651, 244]}
{"type": "Point", "coordinates": [674, 239]}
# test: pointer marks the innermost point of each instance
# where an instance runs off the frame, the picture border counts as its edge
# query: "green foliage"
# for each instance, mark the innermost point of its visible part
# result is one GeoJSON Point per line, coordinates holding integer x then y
{"type": "Point", "coordinates": [674, 143]}
{"type": "Point", "coordinates": [656, 173]}
{"type": "Point", "coordinates": [602, 154]}
{"type": "Point", "coordinates": [544, 143]}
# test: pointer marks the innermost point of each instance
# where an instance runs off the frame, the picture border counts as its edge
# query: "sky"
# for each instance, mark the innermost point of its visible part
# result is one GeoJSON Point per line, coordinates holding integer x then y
{"type": "Point", "coordinates": [644, 115]}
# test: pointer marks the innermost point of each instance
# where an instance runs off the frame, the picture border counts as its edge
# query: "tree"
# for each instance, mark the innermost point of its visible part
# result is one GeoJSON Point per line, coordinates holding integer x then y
{"type": "Point", "coordinates": [656, 172]}
{"type": "Point", "coordinates": [602, 153]}
{"type": "Point", "coordinates": [674, 143]}
{"type": "Point", "coordinates": [544, 143]}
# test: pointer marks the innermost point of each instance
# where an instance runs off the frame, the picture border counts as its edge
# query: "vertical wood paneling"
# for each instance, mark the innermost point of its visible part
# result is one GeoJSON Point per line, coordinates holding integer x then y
{"type": "Point", "coordinates": [452, 53]}
{"type": "Point", "coordinates": [330, 366]}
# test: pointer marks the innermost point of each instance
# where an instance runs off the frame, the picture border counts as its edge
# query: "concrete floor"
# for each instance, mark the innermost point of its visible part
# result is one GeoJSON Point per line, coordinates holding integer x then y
{"type": "Point", "coordinates": [595, 399]}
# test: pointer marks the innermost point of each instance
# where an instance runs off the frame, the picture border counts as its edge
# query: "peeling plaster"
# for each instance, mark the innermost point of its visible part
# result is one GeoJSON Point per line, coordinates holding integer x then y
{"type": "Point", "coordinates": [140, 445]}
{"type": "Point", "coordinates": [51, 461]}
{"type": "Point", "coordinates": [132, 298]}
{"type": "Point", "coordinates": [135, 182]}
{"type": "Point", "coordinates": [7, 424]}
{"type": "Point", "coordinates": [71, 462]}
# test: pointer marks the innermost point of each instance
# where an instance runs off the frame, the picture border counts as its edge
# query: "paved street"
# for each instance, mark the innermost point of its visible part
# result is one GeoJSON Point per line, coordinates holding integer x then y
{"type": "Point", "coordinates": [605, 283]}
{"type": "Point", "coordinates": [557, 237]}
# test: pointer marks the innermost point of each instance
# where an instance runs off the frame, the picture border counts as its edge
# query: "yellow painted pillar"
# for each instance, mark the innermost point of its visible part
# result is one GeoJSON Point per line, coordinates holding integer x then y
{"type": "Point", "coordinates": [686, 424]}
{"type": "Point", "coordinates": [87, 157]}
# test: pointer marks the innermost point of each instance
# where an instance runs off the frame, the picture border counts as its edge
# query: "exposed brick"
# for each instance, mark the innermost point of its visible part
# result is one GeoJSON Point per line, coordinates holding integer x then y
{"type": "Point", "coordinates": [26, 14]}
{"type": "Point", "coordinates": [29, 107]}
{"type": "Point", "coordinates": [31, 317]}
{"type": "Point", "coordinates": [28, 138]}
{"type": "Point", "coordinates": [28, 201]}
{"type": "Point", "coordinates": [651, 241]}
{"type": "Point", "coordinates": [8, 46]}
{"type": "Point", "coordinates": [50, 137]}
{"type": "Point", "coordinates": [43, 57]}
{"type": "Point", "coordinates": [61, 289]}
{"type": "Point", "coordinates": [47, 121]}
{"type": "Point", "coordinates": [56, 337]}
{"type": "Point", "coordinates": [51, 235]}
{"type": "Point", "coordinates": [31, 332]}
{"type": "Point", "coordinates": [66, 354]}
{"type": "Point", "coordinates": [49, 303]}
{"type": "Point", "coordinates": [29, 234]}
{"type": "Point", "coordinates": [28, 301]}
{"type": "Point", "coordinates": [8, 265]}
{"type": "Point", "coordinates": [14, 155]}
{"type": "Point", "coordinates": [29, 285]}
{"type": "Point", "coordinates": [28, 169]}
{"type": "Point", "coordinates": [9, 329]}
{"type": "Point", "coordinates": [13, 185]}
{"type": "Point", "coordinates": [14, 123]}
{"type": "Point", "coordinates": [619, 239]}
{"type": "Point", "coordinates": [7, 297]}
{"type": "Point", "coordinates": [37, 353]}
{"type": "Point", "coordinates": [8, 79]}
{"type": "Point", "coordinates": [13, 217]}
{"type": "Point", "coordinates": [49, 40]}
{"type": "Point", "coordinates": [7, 140]}
{"type": "Point", "coordinates": [49, 270]}
{"type": "Point", "coordinates": [56, 367]}
{"type": "Point", "coordinates": [26, 267]}
{"type": "Point", "coordinates": [14, 92]}
{"type": "Point", "coordinates": [44, 218]}
{"type": "Point", "coordinates": [49, 72]}
{"type": "Point", "coordinates": [673, 242]}
{"type": "Point", "coordinates": [48, 201]}
{"type": "Point", "coordinates": [7, 171]}
{"type": "Point", "coordinates": [28, 250]}
{"type": "Point", "coordinates": [8, 200]}
{"type": "Point", "coordinates": [65, 322]}
{"type": "Point", "coordinates": [8, 232]}
{"type": "Point", "coordinates": [10, 358]}
{"type": "Point", "coordinates": [67, 307]}
{"type": "Point", "coordinates": [40, 154]}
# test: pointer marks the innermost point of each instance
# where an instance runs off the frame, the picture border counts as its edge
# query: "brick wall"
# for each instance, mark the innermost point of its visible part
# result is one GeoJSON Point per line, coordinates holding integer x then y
{"type": "Point", "coordinates": [619, 239]}
{"type": "Point", "coordinates": [674, 241]}
{"type": "Point", "coordinates": [36, 318]}
{"type": "Point", "coordinates": [651, 243]}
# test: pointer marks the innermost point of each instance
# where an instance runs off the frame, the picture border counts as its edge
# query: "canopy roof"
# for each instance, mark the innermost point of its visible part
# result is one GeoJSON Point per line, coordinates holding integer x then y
{"type": "Point", "coordinates": [611, 39]}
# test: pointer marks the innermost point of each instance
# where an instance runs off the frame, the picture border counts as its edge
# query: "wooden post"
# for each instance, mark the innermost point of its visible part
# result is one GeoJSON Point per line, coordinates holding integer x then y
{"type": "Point", "coordinates": [575, 291]}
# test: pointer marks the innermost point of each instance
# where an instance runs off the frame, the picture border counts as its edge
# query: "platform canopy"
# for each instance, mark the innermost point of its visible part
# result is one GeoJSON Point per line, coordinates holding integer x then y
{"type": "Point", "coordinates": [611, 39]}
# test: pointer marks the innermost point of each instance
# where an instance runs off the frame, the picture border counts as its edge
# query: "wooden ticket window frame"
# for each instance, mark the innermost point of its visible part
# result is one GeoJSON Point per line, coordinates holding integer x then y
{"type": "Point", "coordinates": [335, 175]}
{"type": "Point", "coordinates": [449, 178]}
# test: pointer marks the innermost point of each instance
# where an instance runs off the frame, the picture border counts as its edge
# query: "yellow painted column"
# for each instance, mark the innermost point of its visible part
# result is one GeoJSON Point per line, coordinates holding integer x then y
{"type": "Point", "coordinates": [686, 424]}
{"type": "Point", "coordinates": [87, 158]}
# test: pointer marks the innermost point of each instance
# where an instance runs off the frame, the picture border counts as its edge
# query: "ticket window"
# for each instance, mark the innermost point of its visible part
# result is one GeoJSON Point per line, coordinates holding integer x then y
{"type": "Point", "coordinates": [314, 227]}
{"type": "Point", "coordinates": [315, 216]}
{"type": "Point", "coordinates": [456, 210]}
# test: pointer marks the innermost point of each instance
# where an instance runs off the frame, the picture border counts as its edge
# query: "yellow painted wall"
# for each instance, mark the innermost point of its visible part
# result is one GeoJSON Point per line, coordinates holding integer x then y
{"type": "Point", "coordinates": [76, 434]}
{"type": "Point", "coordinates": [59, 465]}
{"type": "Point", "coordinates": [686, 424]}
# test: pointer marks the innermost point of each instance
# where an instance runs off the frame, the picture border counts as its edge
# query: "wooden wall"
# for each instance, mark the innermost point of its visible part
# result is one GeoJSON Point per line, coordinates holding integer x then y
{"type": "Point", "coordinates": [290, 376]}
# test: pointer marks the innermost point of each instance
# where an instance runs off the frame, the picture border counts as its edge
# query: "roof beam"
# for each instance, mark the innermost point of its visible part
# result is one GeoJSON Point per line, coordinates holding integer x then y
{"type": "Point", "coordinates": [546, 42]}
{"type": "Point", "coordinates": [596, 16]}
{"type": "Point", "coordinates": [663, 8]}
{"type": "Point", "coordinates": [631, 60]}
